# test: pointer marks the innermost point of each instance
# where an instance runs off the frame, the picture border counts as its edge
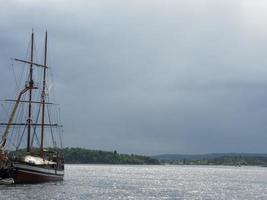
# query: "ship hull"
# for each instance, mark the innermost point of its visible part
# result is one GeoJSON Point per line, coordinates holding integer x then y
{"type": "Point", "coordinates": [35, 174]}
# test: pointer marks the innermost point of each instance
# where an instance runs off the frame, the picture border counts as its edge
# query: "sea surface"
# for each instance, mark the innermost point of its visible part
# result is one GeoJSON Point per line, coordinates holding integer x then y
{"type": "Point", "coordinates": [147, 182]}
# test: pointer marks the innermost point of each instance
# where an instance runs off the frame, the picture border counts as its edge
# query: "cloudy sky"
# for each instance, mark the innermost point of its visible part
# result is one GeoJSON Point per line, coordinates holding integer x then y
{"type": "Point", "coordinates": [150, 76]}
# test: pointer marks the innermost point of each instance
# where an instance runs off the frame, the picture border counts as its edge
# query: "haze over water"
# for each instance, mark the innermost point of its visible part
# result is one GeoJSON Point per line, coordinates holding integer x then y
{"type": "Point", "coordinates": [147, 182]}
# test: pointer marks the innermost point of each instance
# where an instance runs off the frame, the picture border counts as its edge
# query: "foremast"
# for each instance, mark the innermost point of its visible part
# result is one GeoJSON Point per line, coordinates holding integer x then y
{"type": "Point", "coordinates": [31, 84]}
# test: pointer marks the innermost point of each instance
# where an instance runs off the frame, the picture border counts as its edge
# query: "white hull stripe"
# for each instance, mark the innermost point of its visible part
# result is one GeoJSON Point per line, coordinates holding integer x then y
{"type": "Point", "coordinates": [39, 169]}
{"type": "Point", "coordinates": [40, 174]}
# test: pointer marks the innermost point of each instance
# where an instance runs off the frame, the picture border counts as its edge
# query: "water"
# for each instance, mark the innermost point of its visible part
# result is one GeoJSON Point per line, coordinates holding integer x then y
{"type": "Point", "coordinates": [148, 182]}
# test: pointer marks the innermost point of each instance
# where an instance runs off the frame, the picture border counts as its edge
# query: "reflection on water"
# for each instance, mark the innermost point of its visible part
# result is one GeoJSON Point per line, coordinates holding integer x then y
{"type": "Point", "coordinates": [148, 182]}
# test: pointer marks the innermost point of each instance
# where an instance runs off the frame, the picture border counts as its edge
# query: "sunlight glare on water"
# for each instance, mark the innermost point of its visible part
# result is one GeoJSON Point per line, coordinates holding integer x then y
{"type": "Point", "coordinates": [147, 182]}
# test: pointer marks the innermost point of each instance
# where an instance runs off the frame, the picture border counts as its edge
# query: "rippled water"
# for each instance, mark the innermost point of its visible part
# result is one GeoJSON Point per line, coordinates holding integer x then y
{"type": "Point", "coordinates": [148, 182]}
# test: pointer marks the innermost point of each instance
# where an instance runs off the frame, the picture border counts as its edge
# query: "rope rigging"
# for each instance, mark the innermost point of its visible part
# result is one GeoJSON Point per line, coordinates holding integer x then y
{"type": "Point", "coordinates": [16, 138]}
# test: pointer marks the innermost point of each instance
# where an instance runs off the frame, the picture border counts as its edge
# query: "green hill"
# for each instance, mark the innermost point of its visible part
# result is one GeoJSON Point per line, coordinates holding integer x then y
{"type": "Point", "coordinates": [86, 156]}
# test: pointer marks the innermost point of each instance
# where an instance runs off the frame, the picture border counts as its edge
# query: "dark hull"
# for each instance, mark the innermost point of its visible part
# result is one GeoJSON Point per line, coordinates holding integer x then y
{"type": "Point", "coordinates": [35, 174]}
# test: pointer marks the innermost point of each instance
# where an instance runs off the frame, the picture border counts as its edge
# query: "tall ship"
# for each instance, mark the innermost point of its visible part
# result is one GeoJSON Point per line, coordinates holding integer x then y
{"type": "Point", "coordinates": [31, 140]}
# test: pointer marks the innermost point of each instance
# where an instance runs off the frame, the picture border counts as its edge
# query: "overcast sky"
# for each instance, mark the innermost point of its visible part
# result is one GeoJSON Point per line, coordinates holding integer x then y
{"type": "Point", "coordinates": [150, 76]}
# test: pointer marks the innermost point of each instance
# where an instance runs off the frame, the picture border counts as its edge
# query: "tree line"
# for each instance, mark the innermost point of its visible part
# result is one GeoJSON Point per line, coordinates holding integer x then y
{"type": "Point", "coordinates": [86, 156]}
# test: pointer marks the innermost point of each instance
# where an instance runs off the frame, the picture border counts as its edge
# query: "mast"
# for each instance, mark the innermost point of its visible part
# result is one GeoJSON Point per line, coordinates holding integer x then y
{"type": "Point", "coordinates": [43, 96]}
{"type": "Point", "coordinates": [30, 95]}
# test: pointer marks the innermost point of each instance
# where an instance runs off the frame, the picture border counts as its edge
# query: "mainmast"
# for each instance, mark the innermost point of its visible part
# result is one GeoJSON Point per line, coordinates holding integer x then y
{"type": "Point", "coordinates": [30, 95]}
{"type": "Point", "coordinates": [43, 96]}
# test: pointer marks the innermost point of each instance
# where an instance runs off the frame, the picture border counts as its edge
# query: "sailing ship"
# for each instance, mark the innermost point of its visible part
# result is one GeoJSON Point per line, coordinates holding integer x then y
{"type": "Point", "coordinates": [37, 160]}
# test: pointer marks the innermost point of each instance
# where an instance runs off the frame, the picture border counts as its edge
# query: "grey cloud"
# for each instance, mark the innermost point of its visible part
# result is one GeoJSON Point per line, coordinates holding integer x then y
{"type": "Point", "coordinates": [149, 76]}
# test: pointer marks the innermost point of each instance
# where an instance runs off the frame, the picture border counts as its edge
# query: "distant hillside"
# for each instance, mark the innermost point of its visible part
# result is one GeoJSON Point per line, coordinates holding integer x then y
{"type": "Point", "coordinates": [172, 157]}
{"type": "Point", "coordinates": [215, 159]}
{"type": "Point", "coordinates": [86, 156]}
